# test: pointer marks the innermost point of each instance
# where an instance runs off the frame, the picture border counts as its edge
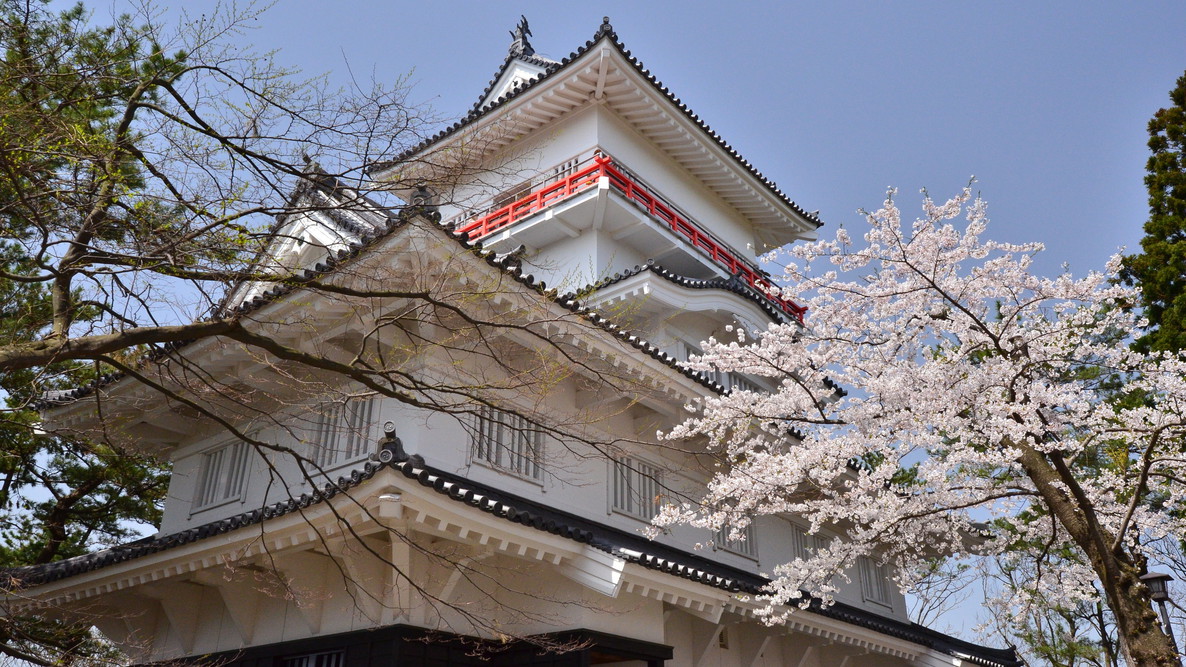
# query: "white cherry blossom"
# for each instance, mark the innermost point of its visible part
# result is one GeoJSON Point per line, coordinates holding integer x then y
{"type": "Point", "coordinates": [943, 399]}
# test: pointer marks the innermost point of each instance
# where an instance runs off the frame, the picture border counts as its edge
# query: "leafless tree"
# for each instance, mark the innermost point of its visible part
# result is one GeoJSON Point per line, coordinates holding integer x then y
{"type": "Point", "coordinates": [150, 185]}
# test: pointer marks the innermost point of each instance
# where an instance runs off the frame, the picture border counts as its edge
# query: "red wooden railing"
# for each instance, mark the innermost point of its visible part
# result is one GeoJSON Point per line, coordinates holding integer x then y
{"type": "Point", "coordinates": [657, 207]}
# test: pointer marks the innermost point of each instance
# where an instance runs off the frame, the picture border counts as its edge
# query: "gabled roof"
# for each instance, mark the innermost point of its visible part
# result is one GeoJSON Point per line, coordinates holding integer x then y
{"type": "Point", "coordinates": [342, 205]}
{"type": "Point", "coordinates": [515, 509]}
{"type": "Point", "coordinates": [605, 34]}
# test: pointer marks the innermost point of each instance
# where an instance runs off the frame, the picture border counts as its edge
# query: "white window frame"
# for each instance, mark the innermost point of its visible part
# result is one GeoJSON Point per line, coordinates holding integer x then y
{"type": "Point", "coordinates": [685, 350]}
{"type": "Point", "coordinates": [805, 546]}
{"type": "Point", "coordinates": [635, 487]}
{"type": "Point", "coordinates": [509, 443]}
{"type": "Point", "coordinates": [345, 433]}
{"type": "Point", "coordinates": [222, 475]}
{"type": "Point", "coordinates": [874, 581]}
{"type": "Point", "coordinates": [747, 547]}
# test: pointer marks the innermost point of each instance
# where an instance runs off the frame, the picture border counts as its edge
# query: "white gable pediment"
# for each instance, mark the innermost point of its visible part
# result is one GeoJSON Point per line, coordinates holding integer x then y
{"type": "Point", "coordinates": [517, 72]}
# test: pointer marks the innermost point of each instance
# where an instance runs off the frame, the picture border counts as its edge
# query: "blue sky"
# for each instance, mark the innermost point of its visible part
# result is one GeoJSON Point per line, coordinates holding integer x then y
{"type": "Point", "coordinates": [1045, 103]}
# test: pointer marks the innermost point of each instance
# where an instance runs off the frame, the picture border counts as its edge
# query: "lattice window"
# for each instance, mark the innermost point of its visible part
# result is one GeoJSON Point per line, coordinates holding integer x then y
{"type": "Point", "coordinates": [222, 475]}
{"type": "Point", "coordinates": [323, 659]}
{"type": "Point", "coordinates": [805, 546]}
{"type": "Point", "coordinates": [735, 382]}
{"type": "Point", "coordinates": [746, 547]}
{"type": "Point", "coordinates": [874, 581]}
{"type": "Point", "coordinates": [684, 351]}
{"type": "Point", "coordinates": [509, 442]}
{"type": "Point", "coordinates": [636, 488]}
{"type": "Point", "coordinates": [345, 432]}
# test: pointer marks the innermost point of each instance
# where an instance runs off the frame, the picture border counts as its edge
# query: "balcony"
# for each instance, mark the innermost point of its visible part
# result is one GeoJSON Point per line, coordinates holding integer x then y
{"type": "Point", "coordinates": [590, 174]}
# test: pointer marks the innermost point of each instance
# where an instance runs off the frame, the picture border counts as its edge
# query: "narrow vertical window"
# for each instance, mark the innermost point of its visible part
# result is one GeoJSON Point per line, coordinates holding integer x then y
{"type": "Point", "coordinates": [635, 488]}
{"type": "Point", "coordinates": [344, 432]}
{"type": "Point", "coordinates": [508, 442]}
{"type": "Point", "coordinates": [222, 475]}
{"type": "Point", "coordinates": [874, 581]}
{"type": "Point", "coordinates": [322, 659]}
{"type": "Point", "coordinates": [745, 545]}
{"type": "Point", "coordinates": [805, 546]}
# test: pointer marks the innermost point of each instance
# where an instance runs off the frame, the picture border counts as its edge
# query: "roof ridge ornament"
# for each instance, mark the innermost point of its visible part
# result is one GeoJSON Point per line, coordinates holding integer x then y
{"type": "Point", "coordinates": [605, 29]}
{"type": "Point", "coordinates": [520, 47]}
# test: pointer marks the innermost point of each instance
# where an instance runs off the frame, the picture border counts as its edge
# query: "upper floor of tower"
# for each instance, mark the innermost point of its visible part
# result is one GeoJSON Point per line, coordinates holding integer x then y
{"type": "Point", "coordinates": [593, 174]}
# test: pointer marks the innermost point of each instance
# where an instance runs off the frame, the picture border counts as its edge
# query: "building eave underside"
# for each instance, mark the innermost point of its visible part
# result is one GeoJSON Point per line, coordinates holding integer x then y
{"type": "Point", "coordinates": [617, 543]}
{"type": "Point", "coordinates": [503, 262]}
{"type": "Point", "coordinates": [723, 284]}
{"type": "Point", "coordinates": [635, 95]}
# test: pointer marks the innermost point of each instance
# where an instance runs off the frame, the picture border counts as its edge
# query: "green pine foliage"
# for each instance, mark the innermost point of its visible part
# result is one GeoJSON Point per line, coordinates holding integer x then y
{"type": "Point", "coordinates": [58, 497]}
{"type": "Point", "coordinates": [1160, 268]}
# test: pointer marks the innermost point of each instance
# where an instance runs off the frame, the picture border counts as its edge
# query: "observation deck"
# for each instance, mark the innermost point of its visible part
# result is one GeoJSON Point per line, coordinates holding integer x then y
{"type": "Point", "coordinates": [542, 214]}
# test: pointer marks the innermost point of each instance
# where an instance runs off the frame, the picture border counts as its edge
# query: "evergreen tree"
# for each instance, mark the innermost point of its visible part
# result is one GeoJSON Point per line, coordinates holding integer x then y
{"type": "Point", "coordinates": [60, 84]}
{"type": "Point", "coordinates": [1160, 269]}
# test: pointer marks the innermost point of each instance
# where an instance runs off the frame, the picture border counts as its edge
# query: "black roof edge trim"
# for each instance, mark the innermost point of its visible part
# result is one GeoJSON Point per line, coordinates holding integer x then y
{"type": "Point", "coordinates": [516, 509]}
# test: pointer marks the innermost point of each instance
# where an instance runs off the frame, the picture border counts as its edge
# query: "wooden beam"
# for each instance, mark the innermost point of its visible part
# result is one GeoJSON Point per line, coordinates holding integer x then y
{"type": "Point", "coordinates": [363, 569]}
{"type": "Point", "coordinates": [181, 603]}
{"type": "Point", "coordinates": [704, 637]}
{"type": "Point", "coordinates": [752, 642]}
{"type": "Point", "coordinates": [311, 569]}
{"type": "Point", "coordinates": [241, 598]}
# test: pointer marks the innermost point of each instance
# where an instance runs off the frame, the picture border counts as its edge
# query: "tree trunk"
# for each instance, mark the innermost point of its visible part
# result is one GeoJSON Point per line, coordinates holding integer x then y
{"type": "Point", "coordinates": [1142, 639]}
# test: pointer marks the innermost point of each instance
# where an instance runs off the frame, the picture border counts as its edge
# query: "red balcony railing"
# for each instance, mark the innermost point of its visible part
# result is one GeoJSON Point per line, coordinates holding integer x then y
{"type": "Point", "coordinates": [659, 209]}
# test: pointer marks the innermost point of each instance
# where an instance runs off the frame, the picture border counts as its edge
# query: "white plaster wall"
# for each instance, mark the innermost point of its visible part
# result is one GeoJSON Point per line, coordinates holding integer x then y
{"type": "Point", "coordinates": [576, 481]}
{"type": "Point", "coordinates": [674, 183]}
{"type": "Point", "coordinates": [530, 156]}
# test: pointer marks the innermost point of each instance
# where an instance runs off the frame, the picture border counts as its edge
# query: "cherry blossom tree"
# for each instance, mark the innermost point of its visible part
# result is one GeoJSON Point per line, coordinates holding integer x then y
{"type": "Point", "coordinates": [944, 399]}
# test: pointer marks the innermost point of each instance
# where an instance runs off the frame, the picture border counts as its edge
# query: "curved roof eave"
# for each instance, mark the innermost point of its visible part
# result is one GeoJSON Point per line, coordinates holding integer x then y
{"type": "Point", "coordinates": [723, 284]}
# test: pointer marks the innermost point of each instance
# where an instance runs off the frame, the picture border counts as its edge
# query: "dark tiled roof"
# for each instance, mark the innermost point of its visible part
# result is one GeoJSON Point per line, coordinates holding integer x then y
{"type": "Point", "coordinates": [628, 546]}
{"type": "Point", "coordinates": [606, 31]}
{"type": "Point", "coordinates": [361, 216]}
{"type": "Point", "coordinates": [509, 264]}
{"type": "Point", "coordinates": [36, 575]}
{"type": "Point", "coordinates": [728, 284]}
{"type": "Point", "coordinates": [369, 223]}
